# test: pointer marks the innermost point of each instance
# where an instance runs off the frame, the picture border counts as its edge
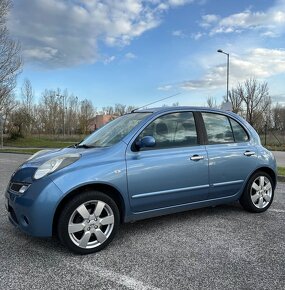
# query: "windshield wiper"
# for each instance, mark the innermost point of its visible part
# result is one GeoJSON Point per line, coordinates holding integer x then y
{"type": "Point", "coordinates": [83, 146]}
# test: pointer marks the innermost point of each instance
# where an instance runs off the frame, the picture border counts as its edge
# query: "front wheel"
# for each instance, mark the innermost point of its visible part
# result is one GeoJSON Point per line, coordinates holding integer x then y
{"type": "Point", "coordinates": [88, 222]}
{"type": "Point", "coordinates": [258, 194]}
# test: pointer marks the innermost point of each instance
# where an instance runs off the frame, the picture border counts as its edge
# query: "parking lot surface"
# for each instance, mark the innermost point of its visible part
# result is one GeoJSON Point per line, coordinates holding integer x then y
{"type": "Point", "coordinates": [212, 248]}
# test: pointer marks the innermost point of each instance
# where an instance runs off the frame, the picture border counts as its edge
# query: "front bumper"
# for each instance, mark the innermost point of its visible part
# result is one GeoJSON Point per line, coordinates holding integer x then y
{"type": "Point", "coordinates": [33, 211]}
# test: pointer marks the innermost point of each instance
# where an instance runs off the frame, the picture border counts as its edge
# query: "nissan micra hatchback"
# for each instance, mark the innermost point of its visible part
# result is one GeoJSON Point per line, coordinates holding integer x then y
{"type": "Point", "coordinates": [144, 164]}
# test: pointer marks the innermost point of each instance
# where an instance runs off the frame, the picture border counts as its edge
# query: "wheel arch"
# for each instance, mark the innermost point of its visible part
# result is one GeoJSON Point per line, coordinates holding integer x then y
{"type": "Point", "coordinates": [105, 188]}
{"type": "Point", "coordinates": [270, 172]}
{"type": "Point", "coordinates": [267, 170]}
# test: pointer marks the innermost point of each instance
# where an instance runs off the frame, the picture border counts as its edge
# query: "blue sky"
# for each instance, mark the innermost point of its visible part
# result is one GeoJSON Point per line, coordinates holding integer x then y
{"type": "Point", "coordinates": [134, 52]}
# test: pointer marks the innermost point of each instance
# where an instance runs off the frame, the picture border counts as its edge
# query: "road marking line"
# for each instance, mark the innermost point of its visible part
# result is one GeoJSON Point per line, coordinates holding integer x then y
{"type": "Point", "coordinates": [121, 279]}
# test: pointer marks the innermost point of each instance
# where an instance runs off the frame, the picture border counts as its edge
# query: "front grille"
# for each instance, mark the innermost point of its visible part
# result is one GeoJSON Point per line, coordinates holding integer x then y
{"type": "Point", "coordinates": [15, 187]}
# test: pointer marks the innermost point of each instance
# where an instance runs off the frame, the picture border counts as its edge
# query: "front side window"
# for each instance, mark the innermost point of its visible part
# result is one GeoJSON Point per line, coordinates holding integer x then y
{"type": "Point", "coordinates": [218, 128]}
{"type": "Point", "coordinates": [172, 130]}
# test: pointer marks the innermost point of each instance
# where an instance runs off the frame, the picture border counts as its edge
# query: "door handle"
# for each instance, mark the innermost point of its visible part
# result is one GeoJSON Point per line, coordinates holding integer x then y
{"type": "Point", "coordinates": [196, 157]}
{"type": "Point", "coordinates": [249, 153]}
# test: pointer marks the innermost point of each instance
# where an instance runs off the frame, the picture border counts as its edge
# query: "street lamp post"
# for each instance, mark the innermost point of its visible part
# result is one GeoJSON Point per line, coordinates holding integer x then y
{"type": "Point", "coordinates": [228, 70]}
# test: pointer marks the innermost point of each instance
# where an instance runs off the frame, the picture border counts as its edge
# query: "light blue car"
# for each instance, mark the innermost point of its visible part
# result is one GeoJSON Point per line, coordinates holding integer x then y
{"type": "Point", "coordinates": [144, 164]}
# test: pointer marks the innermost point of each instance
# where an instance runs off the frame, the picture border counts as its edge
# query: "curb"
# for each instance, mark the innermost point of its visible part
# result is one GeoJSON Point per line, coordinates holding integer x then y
{"type": "Point", "coordinates": [13, 152]}
{"type": "Point", "coordinates": [281, 178]}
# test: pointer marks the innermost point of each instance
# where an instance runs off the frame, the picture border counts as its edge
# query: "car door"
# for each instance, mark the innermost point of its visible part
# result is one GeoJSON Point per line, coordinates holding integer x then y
{"type": "Point", "coordinates": [174, 171]}
{"type": "Point", "coordinates": [231, 156]}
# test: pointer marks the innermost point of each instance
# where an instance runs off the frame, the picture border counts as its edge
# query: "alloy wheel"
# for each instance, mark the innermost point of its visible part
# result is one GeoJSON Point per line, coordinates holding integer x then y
{"type": "Point", "coordinates": [261, 192]}
{"type": "Point", "coordinates": [91, 224]}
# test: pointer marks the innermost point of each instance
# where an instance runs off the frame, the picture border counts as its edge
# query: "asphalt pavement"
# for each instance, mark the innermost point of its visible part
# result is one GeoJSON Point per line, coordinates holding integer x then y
{"type": "Point", "coordinates": [223, 247]}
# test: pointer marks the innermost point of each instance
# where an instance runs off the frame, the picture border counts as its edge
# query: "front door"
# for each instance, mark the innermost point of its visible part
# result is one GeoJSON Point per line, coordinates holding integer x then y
{"type": "Point", "coordinates": [172, 173]}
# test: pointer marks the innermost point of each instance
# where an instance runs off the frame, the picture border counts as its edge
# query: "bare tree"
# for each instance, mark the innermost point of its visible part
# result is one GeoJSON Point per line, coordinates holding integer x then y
{"type": "Point", "coordinates": [86, 114]}
{"type": "Point", "coordinates": [130, 108]}
{"type": "Point", "coordinates": [109, 110]}
{"type": "Point", "coordinates": [278, 117]}
{"type": "Point", "coordinates": [211, 102]}
{"type": "Point", "coordinates": [256, 99]}
{"type": "Point", "coordinates": [51, 112]}
{"type": "Point", "coordinates": [7, 106]}
{"type": "Point", "coordinates": [28, 104]}
{"type": "Point", "coordinates": [236, 99]}
{"type": "Point", "coordinates": [10, 60]}
{"type": "Point", "coordinates": [120, 109]}
{"type": "Point", "coordinates": [72, 114]}
{"type": "Point", "coordinates": [27, 95]}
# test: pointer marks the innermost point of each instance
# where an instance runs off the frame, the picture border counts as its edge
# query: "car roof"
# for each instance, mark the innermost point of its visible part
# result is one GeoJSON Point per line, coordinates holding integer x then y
{"type": "Point", "coordinates": [179, 108]}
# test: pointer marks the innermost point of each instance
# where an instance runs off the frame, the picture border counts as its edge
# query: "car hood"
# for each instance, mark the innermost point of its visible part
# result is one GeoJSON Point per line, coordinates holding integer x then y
{"type": "Point", "coordinates": [27, 170]}
{"type": "Point", "coordinates": [46, 155]}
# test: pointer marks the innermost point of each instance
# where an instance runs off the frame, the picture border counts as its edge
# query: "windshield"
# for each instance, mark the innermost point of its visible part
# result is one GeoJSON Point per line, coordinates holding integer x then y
{"type": "Point", "coordinates": [114, 131]}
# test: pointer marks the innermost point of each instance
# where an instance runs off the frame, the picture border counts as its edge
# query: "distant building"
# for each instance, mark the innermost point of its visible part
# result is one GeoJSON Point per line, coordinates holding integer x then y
{"type": "Point", "coordinates": [99, 120]}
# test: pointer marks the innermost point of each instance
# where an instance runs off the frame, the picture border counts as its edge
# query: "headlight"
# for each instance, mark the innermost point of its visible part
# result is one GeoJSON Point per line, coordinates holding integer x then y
{"type": "Point", "coordinates": [38, 153]}
{"type": "Point", "coordinates": [55, 163]}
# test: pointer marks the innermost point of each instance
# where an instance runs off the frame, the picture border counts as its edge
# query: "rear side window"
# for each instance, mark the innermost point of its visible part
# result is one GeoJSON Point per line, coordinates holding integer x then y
{"type": "Point", "coordinates": [239, 132]}
{"type": "Point", "coordinates": [172, 130]}
{"type": "Point", "coordinates": [218, 128]}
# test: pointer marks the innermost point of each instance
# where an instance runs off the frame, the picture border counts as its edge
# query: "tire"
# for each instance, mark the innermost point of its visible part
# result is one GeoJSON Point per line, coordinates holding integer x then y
{"type": "Point", "coordinates": [88, 222]}
{"type": "Point", "coordinates": [258, 193]}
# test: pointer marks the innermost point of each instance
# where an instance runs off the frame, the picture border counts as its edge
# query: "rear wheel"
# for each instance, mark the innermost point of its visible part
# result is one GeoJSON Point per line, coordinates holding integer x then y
{"type": "Point", "coordinates": [258, 194]}
{"type": "Point", "coordinates": [89, 222]}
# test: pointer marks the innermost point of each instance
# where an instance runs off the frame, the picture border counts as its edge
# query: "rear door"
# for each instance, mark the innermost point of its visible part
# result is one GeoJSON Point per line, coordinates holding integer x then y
{"type": "Point", "coordinates": [231, 156]}
{"type": "Point", "coordinates": [174, 172]}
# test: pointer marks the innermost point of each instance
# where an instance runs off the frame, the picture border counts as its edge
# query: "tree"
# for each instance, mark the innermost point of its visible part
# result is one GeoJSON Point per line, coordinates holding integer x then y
{"type": "Point", "coordinates": [86, 114]}
{"type": "Point", "coordinates": [10, 60]}
{"type": "Point", "coordinates": [251, 99]}
{"type": "Point", "coordinates": [7, 106]}
{"type": "Point", "coordinates": [120, 109]}
{"type": "Point", "coordinates": [27, 104]}
{"type": "Point", "coordinates": [51, 112]}
{"type": "Point", "coordinates": [19, 119]}
{"type": "Point", "coordinates": [278, 117]}
{"type": "Point", "coordinates": [256, 98]}
{"type": "Point", "coordinates": [109, 110]}
{"type": "Point", "coordinates": [235, 99]}
{"type": "Point", "coordinates": [211, 102]}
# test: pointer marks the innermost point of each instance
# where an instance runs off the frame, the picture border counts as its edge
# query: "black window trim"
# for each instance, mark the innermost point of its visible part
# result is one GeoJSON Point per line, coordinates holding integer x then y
{"type": "Point", "coordinates": [228, 117]}
{"type": "Point", "coordinates": [199, 130]}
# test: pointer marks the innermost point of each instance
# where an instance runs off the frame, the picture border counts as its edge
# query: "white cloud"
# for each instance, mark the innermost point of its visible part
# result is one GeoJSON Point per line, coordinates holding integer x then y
{"type": "Point", "coordinates": [165, 88]}
{"type": "Point", "coordinates": [260, 63]}
{"type": "Point", "coordinates": [179, 2]}
{"type": "Point", "coordinates": [178, 33]}
{"type": "Point", "coordinates": [130, 55]}
{"type": "Point", "coordinates": [109, 59]}
{"type": "Point", "coordinates": [197, 35]}
{"type": "Point", "coordinates": [208, 20]}
{"type": "Point", "coordinates": [270, 22]}
{"type": "Point", "coordinates": [60, 33]}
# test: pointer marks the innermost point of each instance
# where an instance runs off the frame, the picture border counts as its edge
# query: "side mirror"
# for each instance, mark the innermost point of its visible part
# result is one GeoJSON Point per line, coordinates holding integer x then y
{"type": "Point", "coordinates": [146, 141]}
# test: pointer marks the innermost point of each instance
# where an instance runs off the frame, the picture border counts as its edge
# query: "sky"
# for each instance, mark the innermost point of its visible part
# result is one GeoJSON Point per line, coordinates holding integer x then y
{"type": "Point", "coordinates": [135, 52]}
